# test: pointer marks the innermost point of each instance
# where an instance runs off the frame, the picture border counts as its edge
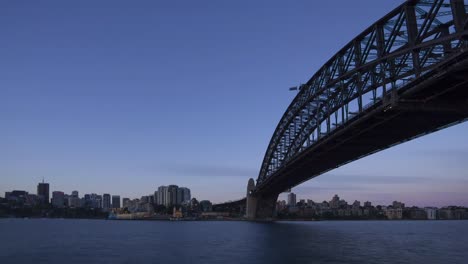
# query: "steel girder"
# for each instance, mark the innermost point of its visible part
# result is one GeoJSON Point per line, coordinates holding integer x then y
{"type": "Point", "coordinates": [413, 39]}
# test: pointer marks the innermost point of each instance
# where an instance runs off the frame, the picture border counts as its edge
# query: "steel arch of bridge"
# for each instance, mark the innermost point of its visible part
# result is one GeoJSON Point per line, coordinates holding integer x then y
{"type": "Point", "coordinates": [405, 45]}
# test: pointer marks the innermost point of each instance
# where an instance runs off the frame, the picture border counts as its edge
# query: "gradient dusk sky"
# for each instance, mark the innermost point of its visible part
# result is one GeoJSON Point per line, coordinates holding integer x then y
{"type": "Point", "coordinates": [121, 97]}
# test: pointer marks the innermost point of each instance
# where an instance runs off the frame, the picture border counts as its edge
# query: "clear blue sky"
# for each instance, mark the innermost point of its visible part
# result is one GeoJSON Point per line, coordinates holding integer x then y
{"type": "Point", "coordinates": [123, 96]}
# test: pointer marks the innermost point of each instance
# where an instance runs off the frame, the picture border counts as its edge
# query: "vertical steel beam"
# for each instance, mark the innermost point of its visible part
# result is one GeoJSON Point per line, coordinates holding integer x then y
{"type": "Point", "coordinates": [447, 44]}
{"type": "Point", "coordinates": [357, 59]}
{"type": "Point", "coordinates": [412, 28]}
{"type": "Point", "coordinates": [459, 14]}
{"type": "Point", "coordinates": [380, 53]}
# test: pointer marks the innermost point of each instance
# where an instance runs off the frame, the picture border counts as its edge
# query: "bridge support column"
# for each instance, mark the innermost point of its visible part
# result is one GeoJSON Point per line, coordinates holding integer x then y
{"type": "Point", "coordinates": [260, 207]}
{"type": "Point", "coordinates": [251, 206]}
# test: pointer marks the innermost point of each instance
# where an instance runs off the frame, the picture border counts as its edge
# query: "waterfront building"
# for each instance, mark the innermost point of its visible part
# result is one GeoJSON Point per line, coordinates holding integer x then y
{"type": "Point", "coordinates": [356, 208]}
{"type": "Point", "coordinates": [415, 213]}
{"type": "Point", "coordinates": [206, 206]}
{"type": "Point", "coordinates": [177, 213]}
{"type": "Point", "coordinates": [394, 213]}
{"type": "Point", "coordinates": [106, 201]}
{"type": "Point", "coordinates": [342, 203]}
{"type": "Point", "coordinates": [356, 204]}
{"type": "Point", "coordinates": [302, 202]}
{"type": "Point", "coordinates": [179, 196]}
{"type": "Point", "coordinates": [431, 213]}
{"type": "Point", "coordinates": [18, 196]}
{"type": "Point", "coordinates": [116, 201]}
{"type": "Point", "coordinates": [126, 202]}
{"type": "Point", "coordinates": [74, 201]}
{"type": "Point", "coordinates": [150, 199]}
{"type": "Point", "coordinates": [367, 204]}
{"type": "Point", "coordinates": [97, 201]}
{"type": "Point", "coordinates": [183, 195]}
{"type": "Point", "coordinates": [162, 193]}
{"type": "Point", "coordinates": [43, 191]}
{"type": "Point", "coordinates": [171, 195]}
{"type": "Point", "coordinates": [335, 202]}
{"type": "Point", "coordinates": [292, 199]}
{"type": "Point", "coordinates": [58, 199]}
{"type": "Point", "coordinates": [156, 201]}
{"type": "Point", "coordinates": [280, 205]}
{"type": "Point", "coordinates": [453, 212]}
{"type": "Point", "coordinates": [65, 200]}
{"type": "Point", "coordinates": [396, 204]}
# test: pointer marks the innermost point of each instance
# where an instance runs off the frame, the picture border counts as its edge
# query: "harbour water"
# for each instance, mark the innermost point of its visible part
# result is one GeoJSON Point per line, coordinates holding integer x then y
{"type": "Point", "coordinates": [105, 241]}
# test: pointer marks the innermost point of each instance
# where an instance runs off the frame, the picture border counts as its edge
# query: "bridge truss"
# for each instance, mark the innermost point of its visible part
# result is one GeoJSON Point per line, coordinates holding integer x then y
{"type": "Point", "coordinates": [410, 43]}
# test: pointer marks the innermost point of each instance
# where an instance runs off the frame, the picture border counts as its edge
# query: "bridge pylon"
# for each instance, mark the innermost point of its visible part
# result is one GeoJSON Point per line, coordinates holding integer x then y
{"type": "Point", "coordinates": [259, 207]}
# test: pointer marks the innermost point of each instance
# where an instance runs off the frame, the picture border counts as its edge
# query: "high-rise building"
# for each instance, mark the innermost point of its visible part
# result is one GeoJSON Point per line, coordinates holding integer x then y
{"type": "Point", "coordinates": [58, 199]}
{"type": "Point", "coordinates": [162, 193]}
{"type": "Point", "coordinates": [97, 201]}
{"type": "Point", "coordinates": [180, 196]}
{"type": "Point", "coordinates": [150, 199]}
{"type": "Point", "coordinates": [156, 201]}
{"type": "Point", "coordinates": [115, 201]}
{"type": "Point", "coordinates": [93, 200]}
{"type": "Point", "coordinates": [106, 201]}
{"type": "Point", "coordinates": [183, 195]}
{"type": "Point", "coordinates": [126, 202]}
{"type": "Point", "coordinates": [171, 195]}
{"type": "Point", "coordinates": [292, 199]}
{"type": "Point", "coordinates": [43, 192]}
{"type": "Point", "coordinates": [74, 200]}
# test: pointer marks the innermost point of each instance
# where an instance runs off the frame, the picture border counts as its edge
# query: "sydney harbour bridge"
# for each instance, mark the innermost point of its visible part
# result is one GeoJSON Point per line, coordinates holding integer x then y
{"type": "Point", "coordinates": [403, 77]}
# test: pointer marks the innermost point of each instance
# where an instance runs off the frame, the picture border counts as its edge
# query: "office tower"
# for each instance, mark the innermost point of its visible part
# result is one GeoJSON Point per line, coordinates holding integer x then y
{"type": "Point", "coordinates": [291, 199]}
{"type": "Point", "coordinates": [171, 195]}
{"type": "Point", "coordinates": [43, 192]}
{"type": "Point", "coordinates": [156, 198]}
{"type": "Point", "coordinates": [150, 199]}
{"type": "Point", "coordinates": [74, 201]}
{"type": "Point", "coordinates": [180, 196]}
{"type": "Point", "coordinates": [126, 202]}
{"type": "Point", "coordinates": [162, 193]}
{"type": "Point", "coordinates": [184, 195]}
{"type": "Point", "coordinates": [115, 201]}
{"type": "Point", "coordinates": [106, 201]}
{"type": "Point", "coordinates": [58, 199]}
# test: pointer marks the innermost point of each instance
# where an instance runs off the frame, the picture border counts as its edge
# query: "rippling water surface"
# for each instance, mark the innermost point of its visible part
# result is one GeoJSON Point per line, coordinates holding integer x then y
{"type": "Point", "coordinates": [101, 241]}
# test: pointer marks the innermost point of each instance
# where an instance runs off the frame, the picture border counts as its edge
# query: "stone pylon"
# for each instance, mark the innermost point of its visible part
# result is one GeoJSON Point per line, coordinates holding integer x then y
{"type": "Point", "coordinates": [259, 207]}
{"type": "Point", "coordinates": [251, 206]}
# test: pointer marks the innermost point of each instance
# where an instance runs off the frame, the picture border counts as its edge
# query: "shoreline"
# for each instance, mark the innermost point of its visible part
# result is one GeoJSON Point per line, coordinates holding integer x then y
{"type": "Point", "coordinates": [231, 219]}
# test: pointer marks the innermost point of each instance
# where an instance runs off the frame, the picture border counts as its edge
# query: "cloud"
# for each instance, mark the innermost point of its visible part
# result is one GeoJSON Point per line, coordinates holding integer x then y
{"type": "Point", "coordinates": [212, 170]}
{"type": "Point", "coordinates": [371, 179]}
{"type": "Point", "coordinates": [451, 155]}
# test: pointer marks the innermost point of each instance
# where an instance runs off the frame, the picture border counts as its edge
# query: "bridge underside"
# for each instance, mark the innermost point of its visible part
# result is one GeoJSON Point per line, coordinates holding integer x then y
{"type": "Point", "coordinates": [426, 106]}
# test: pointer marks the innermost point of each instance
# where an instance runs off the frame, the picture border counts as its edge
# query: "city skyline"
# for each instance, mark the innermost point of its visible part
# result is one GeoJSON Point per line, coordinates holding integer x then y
{"type": "Point", "coordinates": [289, 197]}
{"type": "Point", "coordinates": [187, 97]}
{"type": "Point", "coordinates": [168, 196]}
